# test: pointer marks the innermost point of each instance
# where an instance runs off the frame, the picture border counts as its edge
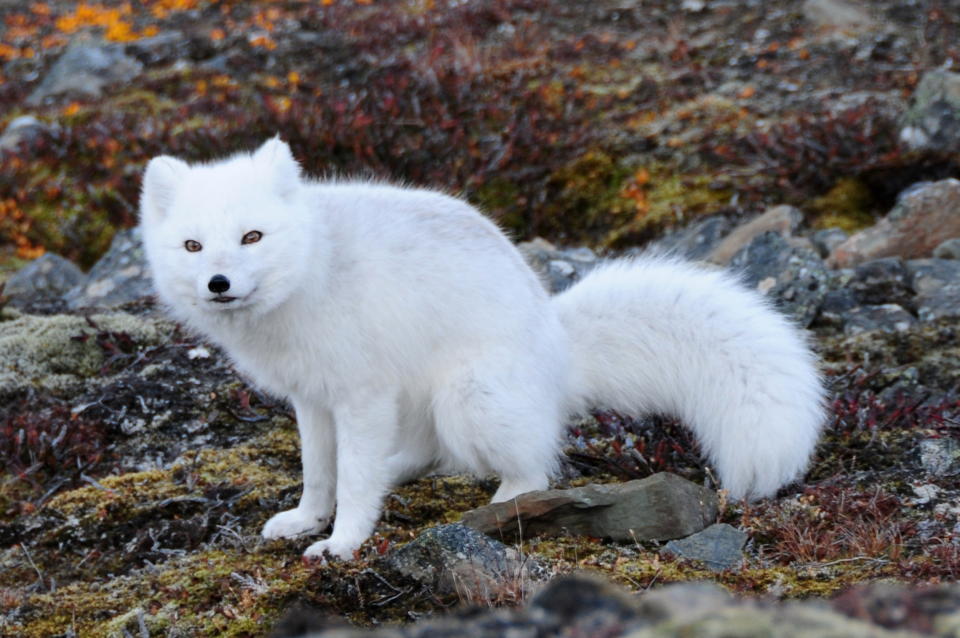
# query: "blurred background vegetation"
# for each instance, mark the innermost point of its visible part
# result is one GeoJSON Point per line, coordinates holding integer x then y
{"type": "Point", "coordinates": [599, 123]}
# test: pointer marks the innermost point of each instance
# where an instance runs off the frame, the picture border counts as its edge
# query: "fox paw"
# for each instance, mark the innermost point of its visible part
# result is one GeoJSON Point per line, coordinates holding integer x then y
{"type": "Point", "coordinates": [331, 548]}
{"type": "Point", "coordinates": [291, 523]}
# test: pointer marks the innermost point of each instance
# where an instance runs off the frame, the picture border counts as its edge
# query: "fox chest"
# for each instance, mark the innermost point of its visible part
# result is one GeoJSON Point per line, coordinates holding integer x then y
{"type": "Point", "coordinates": [291, 365]}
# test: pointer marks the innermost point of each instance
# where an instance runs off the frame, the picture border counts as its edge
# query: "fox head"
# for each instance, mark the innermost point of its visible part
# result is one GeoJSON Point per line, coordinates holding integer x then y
{"type": "Point", "coordinates": [227, 237]}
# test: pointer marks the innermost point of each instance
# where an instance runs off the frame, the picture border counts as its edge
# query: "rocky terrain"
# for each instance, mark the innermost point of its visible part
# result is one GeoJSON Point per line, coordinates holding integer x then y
{"type": "Point", "coordinates": [811, 146]}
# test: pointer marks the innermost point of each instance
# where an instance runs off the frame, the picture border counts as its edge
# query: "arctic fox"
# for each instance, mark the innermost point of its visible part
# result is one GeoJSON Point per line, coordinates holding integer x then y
{"type": "Point", "coordinates": [410, 336]}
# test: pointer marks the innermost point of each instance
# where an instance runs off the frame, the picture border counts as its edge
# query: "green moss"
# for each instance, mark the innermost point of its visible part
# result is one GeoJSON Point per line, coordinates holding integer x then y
{"type": "Point", "coordinates": [670, 198]}
{"type": "Point", "coordinates": [847, 205]}
{"type": "Point", "coordinates": [75, 227]}
{"type": "Point", "coordinates": [587, 196]}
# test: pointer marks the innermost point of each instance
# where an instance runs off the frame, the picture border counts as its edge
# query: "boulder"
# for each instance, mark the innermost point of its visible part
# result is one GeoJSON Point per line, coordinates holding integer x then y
{"type": "Point", "coordinates": [121, 275]}
{"type": "Point", "coordinates": [660, 507]}
{"type": "Point", "coordinates": [921, 220]}
{"type": "Point", "coordinates": [696, 241]}
{"type": "Point", "coordinates": [84, 70]}
{"type": "Point", "coordinates": [783, 220]}
{"type": "Point", "coordinates": [794, 277]}
{"type": "Point", "coordinates": [42, 282]}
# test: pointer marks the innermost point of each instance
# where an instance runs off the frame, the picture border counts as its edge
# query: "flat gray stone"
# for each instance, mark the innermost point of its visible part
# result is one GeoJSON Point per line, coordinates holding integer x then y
{"type": "Point", "coordinates": [719, 547]}
{"type": "Point", "coordinates": [659, 507]}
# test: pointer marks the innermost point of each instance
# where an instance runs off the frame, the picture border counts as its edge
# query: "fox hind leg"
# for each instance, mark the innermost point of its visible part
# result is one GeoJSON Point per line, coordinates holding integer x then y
{"type": "Point", "coordinates": [509, 424]}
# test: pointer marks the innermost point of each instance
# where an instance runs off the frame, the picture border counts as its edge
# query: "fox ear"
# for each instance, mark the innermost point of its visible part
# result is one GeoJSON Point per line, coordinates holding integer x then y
{"type": "Point", "coordinates": [275, 157]}
{"type": "Point", "coordinates": [160, 182]}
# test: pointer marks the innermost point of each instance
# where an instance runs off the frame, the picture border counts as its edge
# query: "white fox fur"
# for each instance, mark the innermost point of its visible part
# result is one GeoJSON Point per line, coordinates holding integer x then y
{"type": "Point", "coordinates": [410, 336]}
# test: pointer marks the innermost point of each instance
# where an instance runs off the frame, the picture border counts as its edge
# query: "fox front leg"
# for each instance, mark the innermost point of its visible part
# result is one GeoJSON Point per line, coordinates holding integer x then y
{"type": "Point", "coordinates": [318, 456]}
{"type": "Point", "coordinates": [365, 432]}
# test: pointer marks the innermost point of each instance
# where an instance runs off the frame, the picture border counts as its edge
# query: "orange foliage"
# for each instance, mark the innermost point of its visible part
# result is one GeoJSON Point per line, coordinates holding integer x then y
{"type": "Point", "coordinates": [116, 22]}
{"type": "Point", "coordinates": [264, 42]}
{"type": "Point", "coordinates": [19, 224]}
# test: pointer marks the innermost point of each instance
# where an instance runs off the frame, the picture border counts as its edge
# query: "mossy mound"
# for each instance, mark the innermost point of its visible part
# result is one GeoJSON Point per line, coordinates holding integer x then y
{"type": "Point", "coordinates": [620, 202]}
{"type": "Point", "coordinates": [57, 353]}
{"type": "Point", "coordinates": [849, 205]}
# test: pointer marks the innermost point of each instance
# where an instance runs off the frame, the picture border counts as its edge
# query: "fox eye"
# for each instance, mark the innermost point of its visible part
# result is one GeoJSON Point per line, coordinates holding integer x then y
{"type": "Point", "coordinates": [192, 246]}
{"type": "Point", "coordinates": [252, 237]}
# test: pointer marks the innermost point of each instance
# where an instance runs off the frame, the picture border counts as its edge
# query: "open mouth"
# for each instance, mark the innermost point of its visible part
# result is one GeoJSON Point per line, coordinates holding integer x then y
{"type": "Point", "coordinates": [223, 299]}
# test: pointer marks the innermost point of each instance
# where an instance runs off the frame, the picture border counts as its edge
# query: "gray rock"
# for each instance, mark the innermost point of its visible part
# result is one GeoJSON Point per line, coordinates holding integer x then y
{"type": "Point", "coordinates": [919, 222]}
{"type": "Point", "coordinates": [842, 15]}
{"type": "Point", "coordinates": [836, 305]}
{"type": "Point", "coordinates": [696, 241]}
{"type": "Point", "coordinates": [456, 559]}
{"type": "Point", "coordinates": [940, 457]}
{"type": "Point", "coordinates": [944, 304]}
{"type": "Point", "coordinates": [794, 278]}
{"type": "Point", "coordinates": [886, 317]}
{"type": "Point", "coordinates": [881, 281]}
{"type": "Point", "coordinates": [683, 599]}
{"type": "Point", "coordinates": [937, 283]}
{"type": "Point", "coordinates": [558, 269]}
{"type": "Point", "coordinates": [121, 275]}
{"type": "Point", "coordinates": [44, 280]}
{"type": "Point", "coordinates": [932, 122]}
{"type": "Point", "coordinates": [929, 276]}
{"type": "Point", "coordinates": [84, 70]}
{"type": "Point", "coordinates": [949, 249]}
{"type": "Point", "coordinates": [23, 130]}
{"type": "Point", "coordinates": [783, 220]}
{"type": "Point", "coordinates": [660, 507]}
{"type": "Point", "coordinates": [719, 547]}
{"type": "Point", "coordinates": [827, 239]}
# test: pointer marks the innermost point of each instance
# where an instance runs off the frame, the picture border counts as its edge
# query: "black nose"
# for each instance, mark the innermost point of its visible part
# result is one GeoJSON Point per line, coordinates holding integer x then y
{"type": "Point", "coordinates": [218, 284]}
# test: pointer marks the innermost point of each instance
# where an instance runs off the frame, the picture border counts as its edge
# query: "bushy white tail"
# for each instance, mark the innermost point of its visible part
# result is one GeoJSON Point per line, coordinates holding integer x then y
{"type": "Point", "coordinates": [657, 335]}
